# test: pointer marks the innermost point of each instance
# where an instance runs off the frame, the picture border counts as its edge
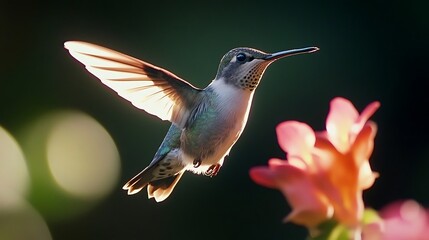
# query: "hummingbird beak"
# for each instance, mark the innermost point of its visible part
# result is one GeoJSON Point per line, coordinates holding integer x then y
{"type": "Point", "coordinates": [287, 53]}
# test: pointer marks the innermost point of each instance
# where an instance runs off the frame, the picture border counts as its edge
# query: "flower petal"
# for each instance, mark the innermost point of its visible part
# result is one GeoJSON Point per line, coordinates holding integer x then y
{"type": "Point", "coordinates": [364, 143]}
{"type": "Point", "coordinates": [297, 139]}
{"type": "Point", "coordinates": [341, 117]}
{"type": "Point", "coordinates": [405, 220]}
{"type": "Point", "coordinates": [277, 174]}
{"type": "Point", "coordinates": [366, 176]}
{"type": "Point", "coordinates": [309, 206]}
{"type": "Point", "coordinates": [263, 176]}
{"type": "Point", "coordinates": [364, 116]}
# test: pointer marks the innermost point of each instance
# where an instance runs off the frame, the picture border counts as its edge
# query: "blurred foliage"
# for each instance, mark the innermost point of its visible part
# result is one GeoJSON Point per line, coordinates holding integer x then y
{"type": "Point", "coordinates": [370, 50]}
{"type": "Point", "coordinates": [333, 230]}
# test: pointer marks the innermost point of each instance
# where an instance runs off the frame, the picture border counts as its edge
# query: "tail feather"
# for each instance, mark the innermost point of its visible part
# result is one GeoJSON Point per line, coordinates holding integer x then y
{"type": "Point", "coordinates": [138, 182]}
{"type": "Point", "coordinates": [159, 189]}
{"type": "Point", "coordinates": [162, 188]}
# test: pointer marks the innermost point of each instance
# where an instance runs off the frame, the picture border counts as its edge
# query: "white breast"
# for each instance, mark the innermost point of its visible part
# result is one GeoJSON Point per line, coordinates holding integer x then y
{"type": "Point", "coordinates": [234, 106]}
{"type": "Point", "coordinates": [234, 102]}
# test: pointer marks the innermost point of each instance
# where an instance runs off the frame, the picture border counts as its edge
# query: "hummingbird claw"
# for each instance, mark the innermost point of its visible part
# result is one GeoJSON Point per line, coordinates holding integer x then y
{"type": "Point", "coordinates": [197, 162]}
{"type": "Point", "coordinates": [213, 170]}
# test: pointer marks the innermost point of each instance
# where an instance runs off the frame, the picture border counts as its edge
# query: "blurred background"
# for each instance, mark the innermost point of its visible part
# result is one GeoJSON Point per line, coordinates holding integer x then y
{"type": "Point", "coordinates": [68, 143]}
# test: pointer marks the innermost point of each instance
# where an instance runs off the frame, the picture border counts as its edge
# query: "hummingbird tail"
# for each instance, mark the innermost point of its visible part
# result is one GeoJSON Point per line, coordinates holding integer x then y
{"type": "Point", "coordinates": [158, 189]}
{"type": "Point", "coordinates": [138, 182]}
{"type": "Point", "coordinates": [160, 177]}
{"type": "Point", "coordinates": [162, 188]}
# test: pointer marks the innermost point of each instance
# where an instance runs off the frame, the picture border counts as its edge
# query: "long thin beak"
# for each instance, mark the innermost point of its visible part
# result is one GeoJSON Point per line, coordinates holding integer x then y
{"type": "Point", "coordinates": [287, 53]}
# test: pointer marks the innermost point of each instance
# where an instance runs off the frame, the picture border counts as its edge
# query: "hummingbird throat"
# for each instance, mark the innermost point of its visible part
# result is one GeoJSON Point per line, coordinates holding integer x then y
{"type": "Point", "coordinates": [251, 79]}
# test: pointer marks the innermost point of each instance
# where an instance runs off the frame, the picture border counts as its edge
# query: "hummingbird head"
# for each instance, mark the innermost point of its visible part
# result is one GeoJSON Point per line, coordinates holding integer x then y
{"type": "Point", "coordinates": [244, 67]}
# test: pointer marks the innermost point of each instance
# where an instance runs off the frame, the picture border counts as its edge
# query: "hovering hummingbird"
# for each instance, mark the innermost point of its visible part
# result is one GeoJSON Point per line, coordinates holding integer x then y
{"type": "Point", "coordinates": [206, 123]}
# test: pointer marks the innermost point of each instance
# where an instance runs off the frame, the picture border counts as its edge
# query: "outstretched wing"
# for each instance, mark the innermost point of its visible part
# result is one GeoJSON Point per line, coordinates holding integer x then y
{"type": "Point", "coordinates": [148, 87]}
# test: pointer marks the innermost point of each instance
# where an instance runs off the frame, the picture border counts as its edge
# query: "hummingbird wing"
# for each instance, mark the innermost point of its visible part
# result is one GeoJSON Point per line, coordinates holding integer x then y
{"type": "Point", "coordinates": [148, 87]}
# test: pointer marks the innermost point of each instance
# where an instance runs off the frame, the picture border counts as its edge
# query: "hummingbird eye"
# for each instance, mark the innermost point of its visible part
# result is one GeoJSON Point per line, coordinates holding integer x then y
{"type": "Point", "coordinates": [241, 57]}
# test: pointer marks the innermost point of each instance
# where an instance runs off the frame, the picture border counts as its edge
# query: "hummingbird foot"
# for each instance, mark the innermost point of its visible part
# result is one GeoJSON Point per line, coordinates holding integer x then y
{"type": "Point", "coordinates": [197, 162]}
{"type": "Point", "coordinates": [213, 170]}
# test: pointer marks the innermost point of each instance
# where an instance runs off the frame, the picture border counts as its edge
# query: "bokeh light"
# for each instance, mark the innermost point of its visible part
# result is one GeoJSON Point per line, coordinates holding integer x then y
{"type": "Point", "coordinates": [82, 156]}
{"type": "Point", "coordinates": [14, 176]}
{"type": "Point", "coordinates": [73, 162]}
{"type": "Point", "coordinates": [18, 219]}
{"type": "Point", "coordinates": [23, 222]}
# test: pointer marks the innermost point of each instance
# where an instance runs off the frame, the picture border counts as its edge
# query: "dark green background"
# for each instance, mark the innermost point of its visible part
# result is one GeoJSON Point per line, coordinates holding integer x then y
{"type": "Point", "coordinates": [369, 51]}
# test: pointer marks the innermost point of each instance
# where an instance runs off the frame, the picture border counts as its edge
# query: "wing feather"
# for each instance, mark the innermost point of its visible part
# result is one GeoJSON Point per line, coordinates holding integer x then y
{"type": "Point", "coordinates": [148, 87]}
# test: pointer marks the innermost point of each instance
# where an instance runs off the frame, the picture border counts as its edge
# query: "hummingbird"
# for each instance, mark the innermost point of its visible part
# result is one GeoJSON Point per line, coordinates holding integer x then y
{"type": "Point", "coordinates": [206, 123]}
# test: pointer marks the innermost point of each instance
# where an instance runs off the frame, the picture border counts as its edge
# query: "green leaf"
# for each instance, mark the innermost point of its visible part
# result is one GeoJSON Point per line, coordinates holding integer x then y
{"type": "Point", "coordinates": [333, 230]}
{"type": "Point", "coordinates": [330, 230]}
{"type": "Point", "coordinates": [370, 216]}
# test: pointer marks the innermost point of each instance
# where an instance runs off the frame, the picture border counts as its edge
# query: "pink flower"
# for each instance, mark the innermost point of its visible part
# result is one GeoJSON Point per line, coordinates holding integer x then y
{"type": "Point", "coordinates": [402, 220]}
{"type": "Point", "coordinates": [325, 172]}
